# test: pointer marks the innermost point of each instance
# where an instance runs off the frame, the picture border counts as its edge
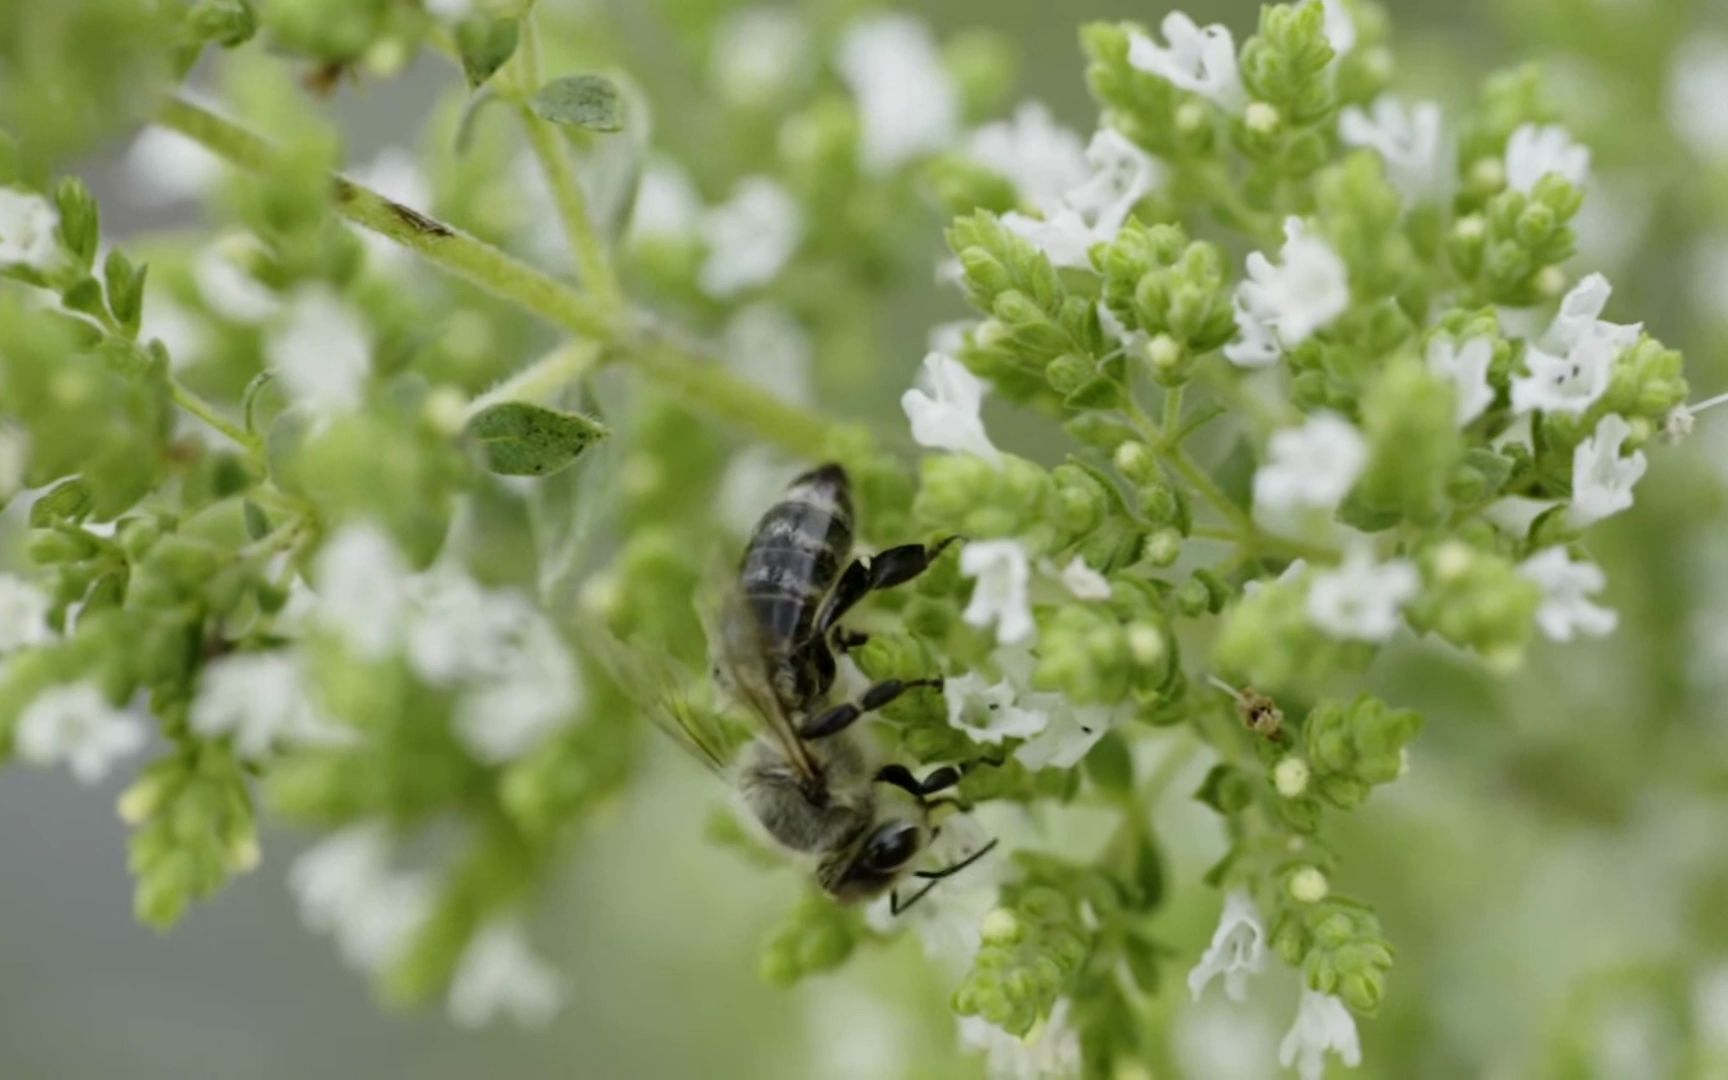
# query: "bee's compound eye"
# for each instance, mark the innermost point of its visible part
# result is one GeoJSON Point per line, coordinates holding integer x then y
{"type": "Point", "coordinates": [892, 846]}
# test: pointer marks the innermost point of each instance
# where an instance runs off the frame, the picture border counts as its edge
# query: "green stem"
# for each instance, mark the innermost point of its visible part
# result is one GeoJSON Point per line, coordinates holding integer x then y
{"type": "Point", "coordinates": [1196, 477]}
{"type": "Point", "coordinates": [204, 411]}
{"type": "Point", "coordinates": [541, 381]}
{"type": "Point", "coordinates": [1173, 415]}
{"type": "Point", "coordinates": [567, 194]}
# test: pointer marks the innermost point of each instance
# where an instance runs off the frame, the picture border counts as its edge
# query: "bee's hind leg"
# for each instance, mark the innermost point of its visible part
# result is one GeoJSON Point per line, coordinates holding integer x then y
{"type": "Point", "coordinates": [840, 717]}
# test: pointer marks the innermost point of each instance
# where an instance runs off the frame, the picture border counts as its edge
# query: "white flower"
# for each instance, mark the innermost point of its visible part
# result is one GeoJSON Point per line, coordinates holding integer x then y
{"type": "Point", "coordinates": [666, 202]}
{"type": "Point", "coordinates": [28, 230]}
{"type": "Point", "coordinates": [1238, 949]}
{"type": "Point", "coordinates": [767, 344]}
{"type": "Point", "coordinates": [345, 887]}
{"type": "Point", "coordinates": [362, 590]}
{"type": "Point", "coordinates": [1361, 599]}
{"type": "Point", "coordinates": [1201, 61]}
{"type": "Point", "coordinates": [1322, 1025]}
{"type": "Point", "coordinates": [321, 352]}
{"type": "Point", "coordinates": [1051, 1051]}
{"type": "Point", "coordinates": [499, 975]}
{"type": "Point", "coordinates": [1465, 366]}
{"type": "Point", "coordinates": [1062, 235]}
{"type": "Point", "coordinates": [513, 710]}
{"type": "Point", "coordinates": [1094, 211]}
{"type": "Point", "coordinates": [907, 104]}
{"type": "Point", "coordinates": [949, 920]}
{"type": "Point", "coordinates": [1083, 581]}
{"type": "Point", "coordinates": [1000, 595]}
{"type": "Point", "coordinates": [1257, 342]}
{"type": "Point", "coordinates": [1304, 293]}
{"type": "Point", "coordinates": [165, 166]}
{"type": "Point", "coordinates": [75, 723]}
{"type": "Point", "coordinates": [1602, 480]}
{"type": "Point", "coordinates": [1570, 383]}
{"type": "Point", "coordinates": [1340, 27]}
{"type": "Point", "coordinates": [1041, 158]}
{"type": "Point", "coordinates": [1072, 732]}
{"type": "Point", "coordinates": [1412, 142]}
{"type": "Point", "coordinates": [760, 54]}
{"type": "Point", "coordinates": [945, 410]}
{"type": "Point", "coordinates": [262, 699]}
{"type": "Point", "coordinates": [1307, 469]}
{"type": "Point", "coordinates": [1580, 319]}
{"type": "Point", "coordinates": [1697, 87]}
{"type": "Point", "coordinates": [987, 713]}
{"type": "Point", "coordinates": [1566, 586]}
{"type": "Point", "coordinates": [1535, 151]}
{"type": "Point", "coordinates": [23, 614]}
{"type": "Point", "coordinates": [459, 630]}
{"type": "Point", "coordinates": [180, 330]}
{"type": "Point", "coordinates": [749, 237]}
{"type": "Point", "coordinates": [1514, 514]}
{"type": "Point", "coordinates": [227, 289]}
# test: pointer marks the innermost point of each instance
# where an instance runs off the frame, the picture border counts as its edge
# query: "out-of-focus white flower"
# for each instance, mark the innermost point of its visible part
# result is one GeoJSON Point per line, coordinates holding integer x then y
{"type": "Point", "coordinates": [1219, 1041]}
{"type": "Point", "coordinates": [1361, 599]}
{"type": "Point", "coordinates": [1697, 87]}
{"type": "Point", "coordinates": [1199, 60]}
{"type": "Point", "coordinates": [987, 713]}
{"type": "Point", "coordinates": [907, 103]}
{"type": "Point", "coordinates": [536, 694]}
{"type": "Point", "coordinates": [1602, 480]}
{"type": "Point", "coordinates": [345, 887]}
{"type": "Point", "coordinates": [1305, 292]}
{"type": "Point", "coordinates": [767, 344]}
{"type": "Point", "coordinates": [1093, 212]}
{"type": "Point", "coordinates": [500, 976]}
{"type": "Point", "coordinates": [1072, 732]}
{"type": "Point", "coordinates": [1256, 343]}
{"type": "Point", "coordinates": [666, 202]}
{"type": "Point", "coordinates": [75, 724]}
{"type": "Point", "coordinates": [1307, 469]}
{"type": "Point", "coordinates": [1323, 1025]}
{"type": "Point", "coordinates": [28, 225]}
{"type": "Point", "coordinates": [227, 289]}
{"type": "Point", "coordinates": [179, 330]}
{"type": "Point", "coordinates": [1465, 365]}
{"type": "Point", "coordinates": [761, 55]}
{"type": "Point", "coordinates": [1536, 150]}
{"type": "Point", "coordinates": [1412, 142]}
{"type": "Point", "coordinates": [262, 699]}
{"type": "Point", "coordinates": [1051, 1051]}
{"type": "Point", "coordinates": [949, 337]}
{"type": "Point", "coordinates": [749, 237]}
{"type": "Point", "coordinates": [164, 166]}
{"type": "Point", "coordinates": [362, 590]}
{"type": "Point", "coordinates": [1566, 586]}
{"type": "Point", "coordinates": [946, 409]}
{"type": "Point", "coordinates": [1000, 595]}
{"type": "Point", "coordinates": [321, 353]}
{"type": "Point", "coordinates": [1041, 158]}
{"type": "Point", "coordinates": [1238, 949]}
{"type": "Point", "coordinates": [23, 614]}
{"type": "Point", "coordinates": [459, 630]}
{"type": "Point", "coordinates": [1083, 581]}
{"type": "Point", "coordinates": [1340, 27]}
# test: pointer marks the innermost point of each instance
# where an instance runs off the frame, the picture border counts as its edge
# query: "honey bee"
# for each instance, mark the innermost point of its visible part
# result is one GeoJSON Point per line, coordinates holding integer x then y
{"type": "Point", "coordinates": [806, 777]}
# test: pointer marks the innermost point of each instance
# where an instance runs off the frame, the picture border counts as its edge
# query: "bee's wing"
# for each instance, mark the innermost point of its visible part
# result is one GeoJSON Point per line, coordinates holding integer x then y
{"type": "Point", "coordinates": [659, 692]}
{"type": "Point", "coordinates": [741, 658]}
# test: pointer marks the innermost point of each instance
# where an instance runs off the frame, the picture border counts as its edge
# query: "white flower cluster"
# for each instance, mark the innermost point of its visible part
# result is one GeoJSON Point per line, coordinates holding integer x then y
{"type": "Point", "coordinates": [28, 231]}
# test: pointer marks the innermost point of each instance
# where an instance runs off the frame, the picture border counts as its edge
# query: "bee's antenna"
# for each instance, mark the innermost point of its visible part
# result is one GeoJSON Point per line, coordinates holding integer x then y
{"type": "Point", "coordinates": [934, 878]}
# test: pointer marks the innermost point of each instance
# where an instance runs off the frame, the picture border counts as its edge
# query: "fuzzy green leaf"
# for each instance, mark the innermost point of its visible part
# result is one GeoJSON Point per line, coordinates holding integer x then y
{"type": "Point", "coordinates": [585, 101]}
{"type": "Point", "coordinates": [527, 440]}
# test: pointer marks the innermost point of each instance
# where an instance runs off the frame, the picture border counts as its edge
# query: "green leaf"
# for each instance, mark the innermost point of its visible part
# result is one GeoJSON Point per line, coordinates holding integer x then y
{"type": "Point", "coordinates": [67, 501]}
{"type": "Point", "coordinates": [486, 45]}
{"type": "Point", "coordinates": [85, 296]}
{"type": "Point", "coordinates": [585, 101]}
{"type": "Point", "coordinates": [125, 289]}
{"type": "Point", "coordinates": [257, 522]}
{"type": "Point", "coordinates": [527, 440]}
{"type": "Point", "coordinates": [80, 221]}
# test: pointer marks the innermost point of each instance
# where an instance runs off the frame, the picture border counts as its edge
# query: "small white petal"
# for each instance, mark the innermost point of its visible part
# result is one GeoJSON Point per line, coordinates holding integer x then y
{"type": "Point", "coordinates": [1536, 151]}
{"type": "Point", "coordinates": [988, 713]}
{"type": "Point", "coordinates": [1238, 949]}
{"type": "Point", "coordinates": [321, 352]}
{"type": "Point", "coordinates": [362, 590]}
{"type": "Point", "coordinates": [1000, 595]}
{"type": "Point", "coordinates": [946, 412]}
{"type": "Point", "coordinates": [908, 105]}
{"type": "Point", "coordinates": [1323, 1025]}
{"type": "Point", "coordinates": [1465, 366]}
{"type": "Point", "coordinates": [666, 203]}
{"type": "Point", "coordinates": [263, 700]}
{"type": "Point", "coordinates": [760, 55]}
{"type": "Point", "coordinates": [1201, 61]}
{"type": "Point", "coordinates": [1697, 87]}
{"type": "Point", "coordinates": [749, 238]}
{"type": "Point", "coordinates": [500, 976]}
{"type": "Point", "coordinates": [1072, 732]}
{"type": "Point", "coordinates": [1305, 292]}
{"type": "Point", "coordinates": [74, 723]}
{"type": "Point", "coordinates": [1412, 142]}
{"type": "Point", "coordinates": [1566, 585]}
{"type": "Point", "coordinates": [1602, 480]}
{"type": "Point", "coordinates": [228, 290]}
{"type": "Point", "coordinates": [1050, 1052]}
{"type": "Point", "coordinates": [1308, 470]}
{"type": "Point", "coordinates": [23, 614]}
{"type": "Point", "coordinates": [28, 230]}
{"type": "Point", "coordinates": [164, 166]}
{"type": "Point", "coordinates": [1043, 160]}
{"type": "Point", "coordinates": [1361, 599]}
{"type": "Point", "coordinates": [1084, 582]}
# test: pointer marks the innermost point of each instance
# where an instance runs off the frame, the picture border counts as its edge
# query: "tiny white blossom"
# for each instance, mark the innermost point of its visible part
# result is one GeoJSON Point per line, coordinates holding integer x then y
{"type": "Point", "coordinates": [1566, 587]}
{"type": "Point", "coordinates": [1535, 151]}
{"type": "Point", "coordinates": [1256, 344]}
{"type": "Point", "coordinates": [1072, 732]}
{"type": "Point", "coordinates": [908, 105]}
{"type": "Point", "coordinates": [23, 614]}
{"type": "Point", "coordinates": [459, 630]}
{"type": "Point", "coordinates": [1569, 383]}
{"type": "Point", "coordinates": [1602, 480]}
{"type": "Point", "coordinates": [1000, 594]}
{"type": "Point", "coordinates": [760, 55]}
{"type": "Point", "coordinates": [499, 975]}
{"type": "Point", "coordinates": [1697, 87]}
{"type": "Point", "coordinates": [987, 712]}
{"type": "Point", "coordinates": [1580, 319]}
{"type": "Point", "coordinates": [749, 237]}
{"type": "Point", "coordinates": [181, 331]}
{"type": "Point", "coordinates": [1310, 468]}
{"type": "Point", "coordinates": [321, 352]}
{"type": "Point", "coordinates": [28, 230]}
{"type": "Point", "coordinates": [1305, 292]}
{"type": "Point", "coordinates": [1094, 211]}
{"type": "Point", "coordinates": [362, 590]}
{"type": "Point", "coordinates": [1201, 61]}
{"type": "Point", "coordinates": [1361, 599]}
{"type": "Point", "coordinates": [1062, 235]}
{"type": "Point", "coordinates": [1041, 158]}
{"type": "Point", "coordinates": [263, 700]}
{"type": "Point", "coordinates": [75, 724]}
{"type": "Point", "coordinates": [945, 411]}
{"type": "Point", "coordinates": [767, 344]}
{"type": "Point", "coordinates": [1238, 949]}
{"type": "Point", "coordinates": [1410, 139]}
{"type": "Point", "coordinates": [1514, 514]}
{"type": "Point", "coordinates": [1340, 27]}
{"type": "Point", "coordinates": [1465, 365]}
{"type": "Point", "coordinates": [1323, 1025]}
{"type": "Point", "coordinates": [1051, 1051]}
{"type": "Point", "coordinates": [1083, 581]}
{"type": "Point", "coordinates": [535, 694]}
{"type": "Point", "coordinates": [229, 290]}
{"type": "Point", "coordinates": [164, 166]}
{"type": "Point", "coordinates": [344, 887]}
{"type": "Point", "coordinates": [666, 202]}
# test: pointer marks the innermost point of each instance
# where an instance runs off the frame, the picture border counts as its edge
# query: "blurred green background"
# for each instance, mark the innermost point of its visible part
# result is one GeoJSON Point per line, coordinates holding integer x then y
{"type": "Point", "coordinates": [1555, 869]}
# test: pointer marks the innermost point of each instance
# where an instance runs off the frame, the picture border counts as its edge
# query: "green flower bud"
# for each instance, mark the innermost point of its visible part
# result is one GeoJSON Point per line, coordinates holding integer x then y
{"type": "Point", "coordinates": [1352, 748]}
{"type": "Point", "coordinates": [1475, 599]}
{"type": "Point", "coordinates": [1163, 547]}
{"type": "Point", "coordinates": [968, 496]}
{"type": "Point", "coordinates": [1408, 417]}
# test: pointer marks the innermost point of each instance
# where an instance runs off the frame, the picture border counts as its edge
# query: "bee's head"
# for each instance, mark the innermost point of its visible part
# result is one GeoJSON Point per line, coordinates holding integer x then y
{"type": "Point", "coordinates": [868, 868]}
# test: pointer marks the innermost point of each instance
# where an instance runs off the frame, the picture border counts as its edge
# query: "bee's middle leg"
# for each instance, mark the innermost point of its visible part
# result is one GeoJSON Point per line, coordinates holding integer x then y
{"type": "Point", "coordinates": [884, 570]}
{"type": "Point", "coordinates": [840, 717]}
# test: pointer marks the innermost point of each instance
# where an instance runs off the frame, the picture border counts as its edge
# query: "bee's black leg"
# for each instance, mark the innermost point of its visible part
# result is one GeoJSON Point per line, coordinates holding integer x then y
{"type": "Point", "coordinates": [884, 570]}
{"type": "Point", "coordinates": [846, 640]}
{"type": "Point", "coordinates": [840, 717]}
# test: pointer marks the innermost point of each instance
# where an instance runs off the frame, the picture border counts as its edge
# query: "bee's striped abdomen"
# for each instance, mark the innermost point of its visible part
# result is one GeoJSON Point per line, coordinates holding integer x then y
{"type": "Point", "coordinates": [796, 552]}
